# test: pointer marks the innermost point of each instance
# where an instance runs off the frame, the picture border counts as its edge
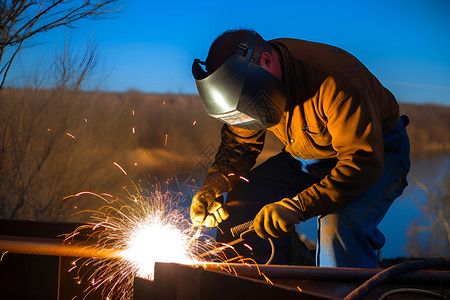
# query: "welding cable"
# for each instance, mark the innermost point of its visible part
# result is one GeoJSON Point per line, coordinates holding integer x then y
{"type": "Point", "coordinates": [394, 271]}
{"type": "Point", "coordinates": [413, 290]}
{"type": "Point", "coordinates": [272, 246]}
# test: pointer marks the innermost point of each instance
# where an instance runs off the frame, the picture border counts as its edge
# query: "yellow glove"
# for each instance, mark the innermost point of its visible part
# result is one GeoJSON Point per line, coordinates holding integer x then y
{"type": "Point", "coordinates": [207, 204]}
{"type": "Point", "coordinates": [278, 218]}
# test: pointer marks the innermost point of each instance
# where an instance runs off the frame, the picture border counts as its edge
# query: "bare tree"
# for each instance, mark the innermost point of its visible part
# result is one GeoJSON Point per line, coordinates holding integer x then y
{"type": "Point", "coordinates": [436, 241]}
{"type": "Point", "coordinates": [22, 19]}
{"type": "Point", "coordinates": [53, 143]}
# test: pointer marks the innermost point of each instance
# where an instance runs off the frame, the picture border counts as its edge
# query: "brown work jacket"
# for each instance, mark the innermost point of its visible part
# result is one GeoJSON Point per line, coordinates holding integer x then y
{"type": "Point", "coordinates": [336, 108]}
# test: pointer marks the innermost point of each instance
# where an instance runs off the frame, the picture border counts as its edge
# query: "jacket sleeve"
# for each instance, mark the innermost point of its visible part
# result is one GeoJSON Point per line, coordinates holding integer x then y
{"type": "Point", "coordinates": [355, 127]}
{"type": "Point", "coordinates": [237, 153]}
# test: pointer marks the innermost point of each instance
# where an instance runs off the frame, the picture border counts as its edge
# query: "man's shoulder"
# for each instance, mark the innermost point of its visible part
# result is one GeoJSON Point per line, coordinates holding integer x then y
{"type": "Point", "coordinates": [299, 45]}
{"type": "Point", "coordinates": [329, 60]}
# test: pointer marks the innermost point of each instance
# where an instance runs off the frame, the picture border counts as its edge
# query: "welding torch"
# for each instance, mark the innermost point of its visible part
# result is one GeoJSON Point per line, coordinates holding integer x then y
{"type": "Point", "coordinates": [240, 233]}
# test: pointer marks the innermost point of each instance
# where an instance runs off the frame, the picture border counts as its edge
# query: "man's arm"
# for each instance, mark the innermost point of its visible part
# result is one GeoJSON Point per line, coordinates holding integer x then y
{"type": "Point", "coordinates": [355, 127]}
{"type": "Point", "coordinates": [237, 153]}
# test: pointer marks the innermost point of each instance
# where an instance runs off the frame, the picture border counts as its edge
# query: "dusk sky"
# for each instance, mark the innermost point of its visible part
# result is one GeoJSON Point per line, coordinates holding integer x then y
{"type": "Point", "coordinates": [150, 45]}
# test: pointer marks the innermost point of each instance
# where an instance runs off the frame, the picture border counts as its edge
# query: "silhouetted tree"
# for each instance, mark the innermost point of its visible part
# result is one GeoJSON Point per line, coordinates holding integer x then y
{"type": "Point", "coordinates": [23, 19]}
{"type": "Point", "coordinates": [52, 144]}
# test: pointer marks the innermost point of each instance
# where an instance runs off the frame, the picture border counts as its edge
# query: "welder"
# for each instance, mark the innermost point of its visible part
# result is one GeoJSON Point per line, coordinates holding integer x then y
{"type": "Point", "coordinates": [345, 156]}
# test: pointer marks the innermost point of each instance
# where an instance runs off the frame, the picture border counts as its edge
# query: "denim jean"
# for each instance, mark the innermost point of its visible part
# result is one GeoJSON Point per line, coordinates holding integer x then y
{"type": "Point", "coordinates": [347, 236]}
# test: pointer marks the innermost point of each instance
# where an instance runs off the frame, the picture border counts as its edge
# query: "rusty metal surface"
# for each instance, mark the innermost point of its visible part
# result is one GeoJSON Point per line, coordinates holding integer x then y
{"type": "Point", "coordinates": [27, 275]}
{"type": "Point", "coordinates": [175, 281]}
{"type": "Point", "coordinates": [43, 276]}
{"type": "Point", "coordinates": [323, 273]}
{"type": "Point", "coordinates": [340, 282]}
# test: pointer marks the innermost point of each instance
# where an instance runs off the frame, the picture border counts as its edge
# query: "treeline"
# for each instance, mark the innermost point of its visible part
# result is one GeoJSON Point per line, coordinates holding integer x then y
{"type": "Point", "coordinates": [429, 128]}
{"type": "Point", "coordinates": [56, 143]}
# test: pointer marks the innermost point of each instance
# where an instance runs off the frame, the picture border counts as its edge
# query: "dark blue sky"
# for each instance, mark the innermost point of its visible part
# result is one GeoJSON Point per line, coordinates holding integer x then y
{"type": "Point", "coordinates": [150, 45]}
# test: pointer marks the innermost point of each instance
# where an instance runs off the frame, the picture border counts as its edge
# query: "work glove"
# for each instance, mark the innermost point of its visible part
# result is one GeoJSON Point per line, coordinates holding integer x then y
{"type": "Point", "coordinates": [207, 204]}
{"type": "Point", "coordinates": [278, 219]}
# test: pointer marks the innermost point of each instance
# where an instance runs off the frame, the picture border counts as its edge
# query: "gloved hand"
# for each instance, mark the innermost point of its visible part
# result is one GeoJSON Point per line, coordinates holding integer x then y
{"type": "Point", "coordinates": [207, 206]}
{"type": "Point", "coordinates": [278, 218]}
{"type": "Point", "coordinates": [206, 209]}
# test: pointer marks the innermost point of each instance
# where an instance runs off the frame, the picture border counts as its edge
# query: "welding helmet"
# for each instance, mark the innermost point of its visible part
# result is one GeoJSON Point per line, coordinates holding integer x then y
{"type": "Point", "coordinates": [240, 92]}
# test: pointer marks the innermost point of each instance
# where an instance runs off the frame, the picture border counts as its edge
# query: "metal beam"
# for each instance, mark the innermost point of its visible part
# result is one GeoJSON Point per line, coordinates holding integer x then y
{"type": "Point", "coordinates": [53, 247]}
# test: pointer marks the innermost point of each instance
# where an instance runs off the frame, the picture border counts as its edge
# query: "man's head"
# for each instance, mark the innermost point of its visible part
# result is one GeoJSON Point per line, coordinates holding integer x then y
{"type": "Point", "coordinates": [242, 85]}
{"type": "Point", "coordinates": [228, 43]}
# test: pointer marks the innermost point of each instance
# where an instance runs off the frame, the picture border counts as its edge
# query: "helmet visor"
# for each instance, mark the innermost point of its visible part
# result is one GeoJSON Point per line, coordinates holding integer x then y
{"type": "Point", "coordinates": [241, 93]}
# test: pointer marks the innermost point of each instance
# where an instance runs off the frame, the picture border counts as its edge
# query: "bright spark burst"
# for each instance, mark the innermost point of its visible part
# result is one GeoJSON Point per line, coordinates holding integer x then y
{"type": "Point", "coordinates": [155, 239]}
{"type": "Point", "coordinates": [70, 135]}
{"type": "Point", "coordinates": [145, 230]}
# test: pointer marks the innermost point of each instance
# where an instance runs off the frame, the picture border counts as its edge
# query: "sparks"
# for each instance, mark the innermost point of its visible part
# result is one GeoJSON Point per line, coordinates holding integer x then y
{"type": "Point", "coordinates": [299, 289]}
{"type": "Point", "coordinates": [240, 177]}
{"type": "Point", "coordinates": [134, 131]}
{"type": "Point", "coordinates": [248, 246]}
{"type": "Point", "coordinates": [266, 278]}
{"type": "Point", "coordinates": [146, 229]}
{"type": "Point", "coordinates": [133, 112]}
{"type": "Point", "coordinates": [90, 193]}
{"type": "Point", "coordinates": [72, 235]}
{"type": "Point", "coordinates": [165, 142]}
{"type": "Point", "coordinates": [68, 134]}
{"type": "Point", "coordinates": [243, 178]}
{"type": "Point", "coordinates": [108, 195]}
{"type": "Point", "coordinates": [85, 120]}
{"type": "Point", "coordinates": [71, 269]}
{"type": "Point", "coordinates": [195, 122]}
{"type": "Point", "coordinates": [1, 258]}
{"type": "Point", "coordinates": [117, 165]}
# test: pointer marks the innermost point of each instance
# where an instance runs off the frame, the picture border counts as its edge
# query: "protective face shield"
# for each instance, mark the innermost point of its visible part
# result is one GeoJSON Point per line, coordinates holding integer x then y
{"type": "Point", "coordinates": [240, 92]}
